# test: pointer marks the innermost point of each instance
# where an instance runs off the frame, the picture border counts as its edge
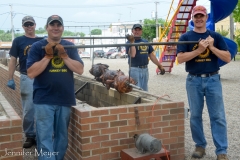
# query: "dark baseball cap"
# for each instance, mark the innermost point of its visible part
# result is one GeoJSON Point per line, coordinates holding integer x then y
{"type": "Point", "coordinates": [137, 26]}
{"type": "Point", "coordinates": [54, 18]}
{"type": "Point", "coordinates": [28, 19]}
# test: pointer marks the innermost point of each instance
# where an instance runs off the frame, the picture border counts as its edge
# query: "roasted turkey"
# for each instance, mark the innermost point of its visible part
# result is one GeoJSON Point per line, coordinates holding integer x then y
{"type": "Point", "coordinates": [112, 78]}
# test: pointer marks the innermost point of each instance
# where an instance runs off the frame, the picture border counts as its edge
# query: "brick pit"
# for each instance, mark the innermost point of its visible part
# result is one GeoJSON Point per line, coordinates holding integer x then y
{"type": "Point", "coordinates": [101, 132]}
{"type": "Point", "coordinates": [103, 121]}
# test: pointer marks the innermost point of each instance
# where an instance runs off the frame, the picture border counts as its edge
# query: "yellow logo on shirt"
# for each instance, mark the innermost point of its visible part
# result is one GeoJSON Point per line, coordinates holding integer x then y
{"type": "Point", "coordinates": [57, 62]}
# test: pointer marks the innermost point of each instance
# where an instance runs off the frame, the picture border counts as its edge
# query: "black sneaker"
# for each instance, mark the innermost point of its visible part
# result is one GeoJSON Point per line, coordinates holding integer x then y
{"type": "Point", "coordinates": [29, 143]}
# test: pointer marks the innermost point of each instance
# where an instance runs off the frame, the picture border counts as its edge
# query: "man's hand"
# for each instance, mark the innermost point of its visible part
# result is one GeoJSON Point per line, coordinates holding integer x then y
{"type": "Point", "coordinates": [11, 84]}
{"type": "Point", "coordinates": [210, 41]}
{"type": "Point", "coordinates": [130, 38]}
{"type": "Point", "coordinates": [162, 70]}
{"type": "Point", "coordinates": [202, 45]}
{"type": "Point", "coordinates": [61, 51]}
{"type": "Point", "coordinates": [49, 50]}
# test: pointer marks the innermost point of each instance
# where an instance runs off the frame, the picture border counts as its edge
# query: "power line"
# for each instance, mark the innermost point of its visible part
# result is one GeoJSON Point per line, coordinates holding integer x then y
{"type": "Point", "coordinates": [83, 6]}
{"type": "Point", "coordinates": [4, 21]}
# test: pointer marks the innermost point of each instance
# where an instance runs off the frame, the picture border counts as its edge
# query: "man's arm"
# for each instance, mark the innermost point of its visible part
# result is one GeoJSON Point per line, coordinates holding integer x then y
{"type": "Point", "coordinates": [38, 67]}
{"type": "Point", "coordinates": [223, 55]}
{"type": "Point", "coordinates": [132, 51]}
{"type": "Point", "coordinates": [11, 67]}
{"type": "Point", "coordinates": [74, 65]}
{"type": "Point", "coordinates": [187, 56]}
{"type": "Point", "coordinates": [154, 59]}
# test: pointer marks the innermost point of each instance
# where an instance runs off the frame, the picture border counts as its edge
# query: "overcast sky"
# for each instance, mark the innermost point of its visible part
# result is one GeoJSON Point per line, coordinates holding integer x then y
{"type": "Point", "coordinates": [83, 13]}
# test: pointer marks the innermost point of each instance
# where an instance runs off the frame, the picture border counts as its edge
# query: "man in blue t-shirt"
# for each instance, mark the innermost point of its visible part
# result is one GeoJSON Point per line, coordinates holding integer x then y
{"type": "Point", "coordinates": [52, 69]}
{"type": "Point", "coordinates": [138, 58]}
{"type": "Point", "coordinates": [20, 48]}
{"type": "Point", "coordinates": [203, 80]}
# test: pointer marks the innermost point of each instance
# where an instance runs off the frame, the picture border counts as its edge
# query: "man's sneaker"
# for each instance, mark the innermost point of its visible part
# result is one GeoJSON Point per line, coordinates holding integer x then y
{"type": "Point", "coordinates": [29, 143]}
{"type": "Point", "coordinates": [222, 157]}
{"type": "Point", "coordinates": [199, 152]}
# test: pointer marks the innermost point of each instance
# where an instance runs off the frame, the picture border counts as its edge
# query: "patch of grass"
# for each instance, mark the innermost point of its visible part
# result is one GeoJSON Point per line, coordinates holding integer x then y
{"type": "Point", "coordinates": [237, 57]}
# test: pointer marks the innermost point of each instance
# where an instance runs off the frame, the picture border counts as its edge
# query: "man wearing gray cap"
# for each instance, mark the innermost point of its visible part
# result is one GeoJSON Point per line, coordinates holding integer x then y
{"type": "Point", "coordinates": [52, 69]}
{"type": "Point", "coordinates": [19, 49]}
{"type": "Point", "coordinates": [138, 58]}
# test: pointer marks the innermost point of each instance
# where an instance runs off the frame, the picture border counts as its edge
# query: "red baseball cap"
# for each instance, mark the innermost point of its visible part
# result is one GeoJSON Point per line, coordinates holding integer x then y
{"type": "Point", "coordinates": [199, 10]}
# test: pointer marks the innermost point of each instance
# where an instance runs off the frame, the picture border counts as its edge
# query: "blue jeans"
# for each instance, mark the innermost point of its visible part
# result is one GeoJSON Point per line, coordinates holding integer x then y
{"type": "Point", "coordinates": [140, 75]}
{"type": "Point", "coordinates": [211, 88]}
{"type": "Point", "coordinates": [26, 88]}
{"type": "Point", "coordinates": [52, 131]}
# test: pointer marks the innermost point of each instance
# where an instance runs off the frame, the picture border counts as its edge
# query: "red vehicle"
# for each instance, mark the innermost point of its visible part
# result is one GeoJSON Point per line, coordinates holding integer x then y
{"type": "Point", "coordinates": [111, 51]}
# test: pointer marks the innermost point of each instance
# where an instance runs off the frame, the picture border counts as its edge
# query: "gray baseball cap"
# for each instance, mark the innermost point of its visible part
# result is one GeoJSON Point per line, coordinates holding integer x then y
{"type": "Point", "coordinates": [54, 18]}
{"type": "Point", "coordinates": [28, 19]}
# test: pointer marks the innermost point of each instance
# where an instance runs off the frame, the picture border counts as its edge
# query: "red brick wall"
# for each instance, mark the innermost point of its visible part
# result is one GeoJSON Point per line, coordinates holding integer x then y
{"type": "Point", "coordinates": [12, 96]}
{"type": "Point", "coordinates": [10, 133]}
{"type": "Point", "coordinates": [101, 133]}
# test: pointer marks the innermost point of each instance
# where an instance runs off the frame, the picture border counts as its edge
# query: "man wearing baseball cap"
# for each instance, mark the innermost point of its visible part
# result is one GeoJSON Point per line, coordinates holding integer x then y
{"type": "Point", "coordinates": [203, 82]}
{"type": "Point", "coordinates": [20, 48]}
{"type": "Point", "coordinates": [138, 58]}
{"type": "Point", "coordinates": [52, 69]}
{"type": "Point", "coordinates": [55, 18]}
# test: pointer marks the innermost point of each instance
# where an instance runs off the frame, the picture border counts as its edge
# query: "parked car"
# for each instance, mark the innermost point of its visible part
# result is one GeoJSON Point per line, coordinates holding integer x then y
{"type": "Point", "coordinates": [99, 53]}
{"type": "Point", "coordinates": [111, 51]}
{"type": "Point", "coordinates": [117, 55]}
{"type": "Point", "coordinates": [84, 55]}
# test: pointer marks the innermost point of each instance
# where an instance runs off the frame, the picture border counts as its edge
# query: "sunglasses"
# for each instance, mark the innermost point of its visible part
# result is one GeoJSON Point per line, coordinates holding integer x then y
{"type": "Point", "coordinates": [28, 24]}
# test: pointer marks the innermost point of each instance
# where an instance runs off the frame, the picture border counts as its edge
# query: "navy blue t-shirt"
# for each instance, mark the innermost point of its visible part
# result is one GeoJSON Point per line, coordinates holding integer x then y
{"type": "Point", "coordinates": [55, 85]}
{"type": "Point", "coordinates": [20, 48]}
{"type": "Point", "coordinates": [142, 53]}
{"type": "Point", "coordinates": [206, 62]}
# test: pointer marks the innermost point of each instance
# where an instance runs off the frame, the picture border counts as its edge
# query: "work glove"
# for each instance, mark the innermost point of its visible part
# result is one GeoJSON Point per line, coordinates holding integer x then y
{"type": "Point", "coordinates": [130, 38]}
{"type": "Point", "coordinates": [11, 84]}
{"type": "Point", "coordinates": [49, 48]}
{"type": "Point", "coordinates": [162, 70]}
{"type": "Point", "coordinates": [61, 51]}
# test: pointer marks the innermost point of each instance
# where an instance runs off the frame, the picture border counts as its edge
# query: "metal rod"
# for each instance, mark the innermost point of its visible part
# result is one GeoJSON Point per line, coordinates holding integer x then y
{"type": "Point", "coordinates": [129, 44]}
{"type": "Point", "coordinates": [138, 100]}
{"type": "Point", "coordinates": [81, 88]}
{"type": "Point", "coordinates": [69, 37]}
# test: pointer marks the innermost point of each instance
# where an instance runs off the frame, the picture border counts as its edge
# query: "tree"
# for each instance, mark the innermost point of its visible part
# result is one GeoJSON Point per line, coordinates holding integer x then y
{"type": "Point", "coordinates": [96, 32]}
{"type": "Point", "coordinates": [224, 33]}
{"type": "Point", "coordinates": [237, 38]}
{"type": "Point", "coordinates": [236, 13]}
{"type": "Point", "coordinates": [149, 28]}
{"type": "Point", "coordinates": [6, 36]}
{"type": "Point", "coordinates": [41, 31]}
{"type": "Point", "coordinates": [81, 34]}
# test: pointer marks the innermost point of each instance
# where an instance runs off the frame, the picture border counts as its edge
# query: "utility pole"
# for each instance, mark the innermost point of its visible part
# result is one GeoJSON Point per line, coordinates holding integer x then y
{"type": "Point", "coordinates": [231, 27]}
{"type": "Point", "coordinates": [119, 17]}
{"type": "Point", "coordinates": [130, 11]}
{"type": "Point", "coordinates": [12, 23]}
{"type": "Point", "coordinates": [156, 19]}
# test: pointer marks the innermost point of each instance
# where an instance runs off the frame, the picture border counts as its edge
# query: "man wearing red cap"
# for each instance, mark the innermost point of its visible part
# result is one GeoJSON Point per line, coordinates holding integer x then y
{"type": "Point", "coordinates": [203, 80]}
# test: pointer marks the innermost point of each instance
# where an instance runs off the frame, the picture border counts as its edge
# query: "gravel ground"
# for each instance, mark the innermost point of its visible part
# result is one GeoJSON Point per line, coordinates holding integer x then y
{"type": "Point", "coordinates": [173, 85]}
